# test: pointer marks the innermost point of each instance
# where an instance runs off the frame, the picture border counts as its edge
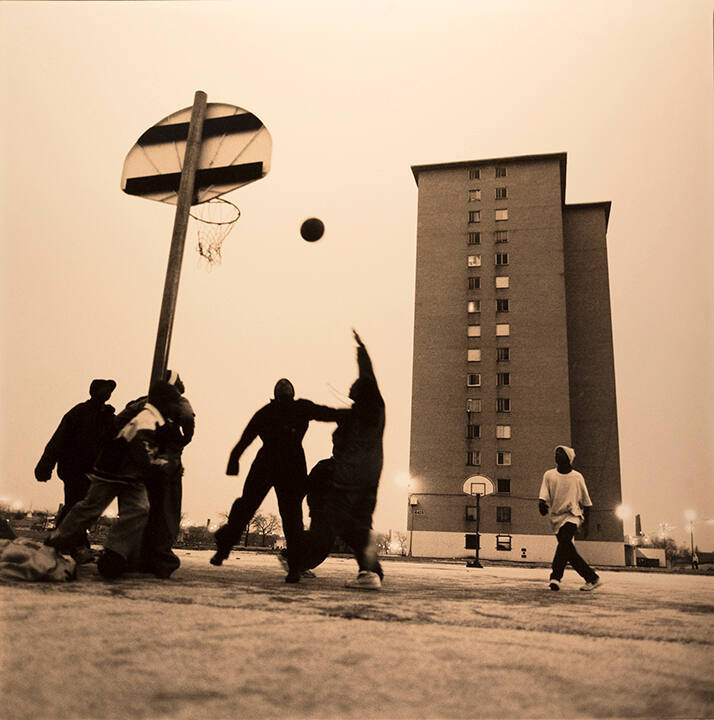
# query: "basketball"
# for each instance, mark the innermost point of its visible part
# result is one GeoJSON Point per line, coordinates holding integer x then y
{"type": "Point", "coordinates": [312, 229]}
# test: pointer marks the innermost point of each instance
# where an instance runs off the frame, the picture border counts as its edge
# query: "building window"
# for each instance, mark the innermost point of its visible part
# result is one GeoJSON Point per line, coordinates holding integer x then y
{"type": "Point", "coordinates": [501, 258]}
{"type": "Point", "coordinates": [503, 329]}
{"type": "Point", "coordinates": [473, 355]}
{"type": "Point", "coordinates": [474, 306]}
{"type": "Point", "coordinates": [501, 193]}
{"type": "Point", "coordinates": [503, 542]}
{"type": "Point", "coordinates": [474, 283]}
{"type": "Point", "coordinates": [502, 214]}
{"type": "Point", "coordinates": [503, 432]}
{"type": "Point", "coordinates": [503, 405]}
{"type": "Point", "coordinates": [473, 405]}
{"type": "Point", "coordinates": [502, 305]}
{"type": "Point", "coordinates": [500, 172]}
{"type": "Point", "coordinates": [503, 514]}
{"type": "Point", "coordinates": [474, 238]}
{"type": "Point", "coordinates": [501, 236]}
{"type": "Point", "coordinates": [474, 261]}
{"type": "Point", "coordinates": [503, 378]}
{"type": "Point", "coordinates": [473, 457]}
{"type": "Point", "coordinates": [474, 195]}
{"type": "Point", "coordinates": [474, 216]}
{"type": "Point", "coordinates": [471, 512]}
{"type": "Point", "coordinates": [503, 354]}
{"type": "Point", "coordinates": [473, 380]}
{"type": "Point", "coordinates": [474, 331]}
{"type": "Point", "coordinates": [502, 281]}
{"type": "Point", "coordinates": [474, 173]}
{"type": "Point", "coordinates": [504, 485]}
{"type": "Point", "coordinates": [473, 432]}
{"type": "Point", "coordinates": [503, 457]}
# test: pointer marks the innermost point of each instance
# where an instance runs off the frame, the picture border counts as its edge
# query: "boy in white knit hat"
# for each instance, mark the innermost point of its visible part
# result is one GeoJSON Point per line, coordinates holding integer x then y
{"type": "Point", "coordinates": [564, 494]}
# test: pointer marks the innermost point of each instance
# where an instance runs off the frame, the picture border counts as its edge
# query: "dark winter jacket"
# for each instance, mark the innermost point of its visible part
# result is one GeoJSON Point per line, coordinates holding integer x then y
{"type": "Point", "coordinates": [76, 443]}
{"type": "Point", "coordinates": [281, 425]}
{"type": "Point", "coordinates": [357, 441]}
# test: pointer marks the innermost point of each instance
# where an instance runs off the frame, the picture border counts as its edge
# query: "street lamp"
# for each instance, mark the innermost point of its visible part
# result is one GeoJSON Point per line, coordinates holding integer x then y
{"type": "Point", "coordinates": [690, 516]}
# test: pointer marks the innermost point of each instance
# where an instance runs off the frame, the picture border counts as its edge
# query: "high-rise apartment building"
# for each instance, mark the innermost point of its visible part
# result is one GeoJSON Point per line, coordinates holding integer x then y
{"type": "Point", "coordinates": [512, 356]}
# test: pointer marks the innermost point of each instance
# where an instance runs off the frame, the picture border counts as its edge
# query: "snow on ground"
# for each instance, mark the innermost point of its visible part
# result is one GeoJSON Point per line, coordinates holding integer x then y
{"type": "Point", "coordinates": [439, 641]}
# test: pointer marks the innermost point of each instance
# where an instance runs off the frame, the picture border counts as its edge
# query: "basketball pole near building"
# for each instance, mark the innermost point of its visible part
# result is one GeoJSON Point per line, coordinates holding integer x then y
{"type": "Point", "coordinates": [178, 238]}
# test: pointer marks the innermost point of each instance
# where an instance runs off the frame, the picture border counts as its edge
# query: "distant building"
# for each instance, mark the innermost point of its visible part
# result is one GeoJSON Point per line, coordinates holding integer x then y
{"type": "Point", "coordinates": [513, 355]}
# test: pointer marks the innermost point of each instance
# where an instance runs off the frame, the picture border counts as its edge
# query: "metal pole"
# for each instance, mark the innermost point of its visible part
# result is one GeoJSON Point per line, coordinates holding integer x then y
{"type": "Point", "coordinates": [178, 239]}
{"type": "Point", "coordinates": [411, 523]}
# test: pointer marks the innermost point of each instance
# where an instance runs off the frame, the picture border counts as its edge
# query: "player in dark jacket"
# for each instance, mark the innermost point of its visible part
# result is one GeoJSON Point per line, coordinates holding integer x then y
{"type": "Point", "coordinates": [74, 447]}
{"type": "Point", "coordinates": [280, 463]}
{"type": "Point", "coordinates": [346, 484]}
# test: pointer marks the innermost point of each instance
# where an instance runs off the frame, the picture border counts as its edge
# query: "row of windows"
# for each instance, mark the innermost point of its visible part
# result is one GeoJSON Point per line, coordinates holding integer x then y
{"type": "Point", "coordinates": [503, 354]}
{"type": "Point", "coordinates": [499, 236]}
{"type": "Point", "coordinates": [503, 457]}
{"type": "Point", "coordinates": [474, 405]}
{"type": "Point", "coordinates": [474, 379]}
{"type": "Point", "coordinates": [475, 173]}
{"type": "Point", "coordinates": [503, 514]}
{"type": "Point", "coordinates": [499, 215]}
{"type": "Point", "coordinates": [474, 306]}
{"type": "Point", "coordinates": [502, 282]}
{"type": "Point", "coordinates": [501, 194]}
{"type": "Point", "coordinates": [473, 432]}
{"type": "Point", "coordinates": [475, 260]}
{"type": "Point", "coordinates": [502, 330]}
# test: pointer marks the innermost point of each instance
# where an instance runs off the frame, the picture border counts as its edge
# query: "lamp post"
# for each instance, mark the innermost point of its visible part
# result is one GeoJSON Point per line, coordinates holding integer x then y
{"type": "Point", "coordinates": [690, 516]}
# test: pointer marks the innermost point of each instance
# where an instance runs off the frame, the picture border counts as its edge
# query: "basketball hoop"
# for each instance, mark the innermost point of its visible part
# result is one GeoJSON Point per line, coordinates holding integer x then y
{"type": "Point", "coordinates": [214, 220]}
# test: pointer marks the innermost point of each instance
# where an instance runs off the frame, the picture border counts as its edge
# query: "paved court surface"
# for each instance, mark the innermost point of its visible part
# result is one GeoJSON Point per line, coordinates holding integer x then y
{"type": "Point", "coordinates": [439, 641]}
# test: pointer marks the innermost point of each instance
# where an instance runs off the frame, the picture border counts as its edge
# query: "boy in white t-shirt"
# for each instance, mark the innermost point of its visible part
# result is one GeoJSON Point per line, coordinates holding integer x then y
{"type": "Point", "coordinates": [563, 492]}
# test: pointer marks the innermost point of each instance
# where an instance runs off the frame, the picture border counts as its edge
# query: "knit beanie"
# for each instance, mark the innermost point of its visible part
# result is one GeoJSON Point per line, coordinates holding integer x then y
{"type": "Point", "coordinates": [568, 451]}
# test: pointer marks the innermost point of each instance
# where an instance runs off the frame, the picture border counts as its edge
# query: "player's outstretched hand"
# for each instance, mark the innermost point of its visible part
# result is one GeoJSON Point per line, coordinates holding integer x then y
{"type": "Point", "coordinates": [358, 339]}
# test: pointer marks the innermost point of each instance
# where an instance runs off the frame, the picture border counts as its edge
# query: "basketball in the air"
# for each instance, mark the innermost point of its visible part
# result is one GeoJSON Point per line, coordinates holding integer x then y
{"type": "Point", "coordinates": [312, 229]}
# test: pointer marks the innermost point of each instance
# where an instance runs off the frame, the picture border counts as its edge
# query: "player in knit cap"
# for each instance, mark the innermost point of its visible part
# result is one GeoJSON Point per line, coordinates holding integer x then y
{"type": "Point", "coordinates": [564, 495]}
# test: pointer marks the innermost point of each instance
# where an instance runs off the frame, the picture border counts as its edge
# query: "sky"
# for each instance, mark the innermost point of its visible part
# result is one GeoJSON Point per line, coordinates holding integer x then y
{"type": "Point", "coordinates": [353, 96]}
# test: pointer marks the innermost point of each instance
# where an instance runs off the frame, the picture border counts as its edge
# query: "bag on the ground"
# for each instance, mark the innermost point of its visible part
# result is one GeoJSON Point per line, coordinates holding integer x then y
{"type": "Point", "coordinates": [25, 559]}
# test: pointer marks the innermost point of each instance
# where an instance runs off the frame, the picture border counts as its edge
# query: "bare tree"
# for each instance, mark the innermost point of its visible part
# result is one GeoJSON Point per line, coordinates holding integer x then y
{"type": "Point", "coordinates": [265, 525]}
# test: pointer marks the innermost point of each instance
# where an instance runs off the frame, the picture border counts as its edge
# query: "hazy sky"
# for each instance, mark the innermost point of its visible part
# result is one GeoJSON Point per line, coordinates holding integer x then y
{"type": "Point", "coordinates": [353, 95]}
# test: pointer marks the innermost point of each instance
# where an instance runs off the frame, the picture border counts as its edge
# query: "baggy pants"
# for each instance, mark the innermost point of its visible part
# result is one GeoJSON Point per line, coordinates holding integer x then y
{"type": "Point", "coordinates": [346, 513]}
{"type": "Point", "coordinates": [566, 553]}
{"type": "Point", "coordinates": [76, 487]}
{"type": "Point", "coordinates": [289, 484]}
{"type": "Point", "coordinates": [125, 533]}
{"type": "Point", "coordinates": [156, 554]}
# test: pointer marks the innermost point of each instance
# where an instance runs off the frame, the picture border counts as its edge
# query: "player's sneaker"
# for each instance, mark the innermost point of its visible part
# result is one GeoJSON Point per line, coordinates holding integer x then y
{"type": "Point", "coordinates": [554, 584]}
{"type": "Point", "coordinates": [590, 586]}
{"type": "Point", "coordinates": [223, 549]}
{"type": "Point", "coordinates": [366, 580]}
{"type": "Point", "coordinates": [308, 574]}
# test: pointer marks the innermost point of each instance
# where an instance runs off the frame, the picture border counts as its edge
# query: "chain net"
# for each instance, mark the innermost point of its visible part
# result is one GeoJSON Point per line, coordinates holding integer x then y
{"type": "Point", "coordinates": [213, 220]}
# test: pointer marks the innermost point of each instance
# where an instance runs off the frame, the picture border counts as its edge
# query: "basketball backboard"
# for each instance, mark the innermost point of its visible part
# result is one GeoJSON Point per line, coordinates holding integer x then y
{"type": "Point", "coordinates": [235, 150]}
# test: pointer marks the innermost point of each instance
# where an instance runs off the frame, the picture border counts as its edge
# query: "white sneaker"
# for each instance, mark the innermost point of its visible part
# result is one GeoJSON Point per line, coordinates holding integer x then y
{"type": "Point", "coordinates": [554, 584]}
{"type": "Point", "coordinates": [366, 580]}
{"type": "Point", "coordinates": [308, 574]}
{"type": "Point", "coordinates": [590, 586]}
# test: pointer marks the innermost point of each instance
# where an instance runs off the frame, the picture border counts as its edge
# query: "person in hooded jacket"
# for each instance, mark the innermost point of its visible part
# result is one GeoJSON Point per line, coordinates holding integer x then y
{"type": "Point", "coordinates": [564, 495]}
{"type": "Point", "coordinates": [280, 464]}
{"type": "Point", "coordinates": [74, 447]}
{"type": "Point", "coordinates": [155, 554]}
{"type": "Point", "coordinates": [343, 488]}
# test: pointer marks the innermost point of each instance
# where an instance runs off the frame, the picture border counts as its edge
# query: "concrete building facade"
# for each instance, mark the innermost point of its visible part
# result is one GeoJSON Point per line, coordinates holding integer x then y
{"type": "Point", "coordinates": [513, 355]}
